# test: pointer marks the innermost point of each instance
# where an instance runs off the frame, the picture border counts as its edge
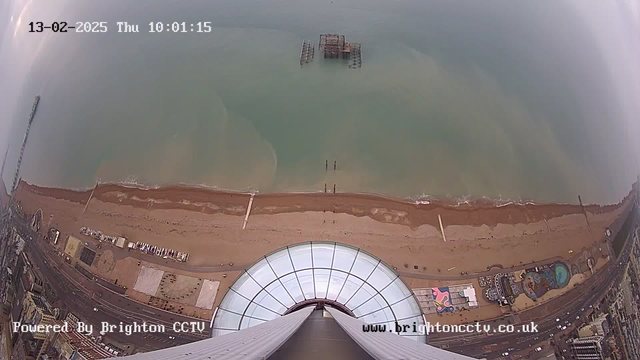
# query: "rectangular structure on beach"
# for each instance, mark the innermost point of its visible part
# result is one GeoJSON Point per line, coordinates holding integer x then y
{"type": "Point", "coordinates": [207, 295]}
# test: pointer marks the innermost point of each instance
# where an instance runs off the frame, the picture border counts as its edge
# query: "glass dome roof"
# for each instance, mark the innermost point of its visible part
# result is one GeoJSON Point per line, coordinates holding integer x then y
{"type": "Point", "coordinates": [355, 281]}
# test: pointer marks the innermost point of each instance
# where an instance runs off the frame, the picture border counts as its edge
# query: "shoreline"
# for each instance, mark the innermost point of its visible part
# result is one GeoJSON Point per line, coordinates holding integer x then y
{"type": "Point", "coordinates": [423, 199]}
{"type": "Point", "coordinates": [379, 207]}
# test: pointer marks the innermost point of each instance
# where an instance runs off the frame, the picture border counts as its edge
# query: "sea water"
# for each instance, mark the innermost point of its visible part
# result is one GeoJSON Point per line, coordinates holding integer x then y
{"type": "Point", "coordinates": [460, 100]}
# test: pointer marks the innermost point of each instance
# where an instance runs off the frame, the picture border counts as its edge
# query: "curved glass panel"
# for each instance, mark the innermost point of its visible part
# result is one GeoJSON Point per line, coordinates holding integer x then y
{"type": "Point", "coordinates": [362, 283]}
{"type": "Point", "coordinates": [262, 274]}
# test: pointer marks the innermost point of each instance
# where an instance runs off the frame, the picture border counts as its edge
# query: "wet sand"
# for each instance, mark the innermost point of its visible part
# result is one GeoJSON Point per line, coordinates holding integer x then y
{"type": "Point", "coordinates": [384, 209]}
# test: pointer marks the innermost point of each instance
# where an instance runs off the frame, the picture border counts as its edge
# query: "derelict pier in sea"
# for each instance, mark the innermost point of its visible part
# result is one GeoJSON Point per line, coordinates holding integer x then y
{"type": "Point", "coordinates": [307, 53]}
{"type": "Point", "coordinates": [333, 46]}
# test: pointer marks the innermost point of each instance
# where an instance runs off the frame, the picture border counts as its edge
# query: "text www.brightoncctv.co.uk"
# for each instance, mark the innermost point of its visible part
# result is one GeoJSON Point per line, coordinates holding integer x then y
{"type": "Point", "coordinates": [428, 328]}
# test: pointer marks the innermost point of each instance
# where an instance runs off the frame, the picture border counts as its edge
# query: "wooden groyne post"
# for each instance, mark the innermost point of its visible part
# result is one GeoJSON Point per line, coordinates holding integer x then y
{"type": "Point", "coordinates": [584, 211]}
{"type": "Point", "coordinates": [246, 217]}
{"type": "Point", "coordinates": [444, 237]}
{"type": "Point", "coordinates": [90, 197]}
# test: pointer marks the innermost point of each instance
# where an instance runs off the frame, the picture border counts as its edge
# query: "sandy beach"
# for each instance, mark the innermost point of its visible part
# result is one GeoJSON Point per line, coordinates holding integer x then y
{"type": "Point", "coordinates": [208, 224]}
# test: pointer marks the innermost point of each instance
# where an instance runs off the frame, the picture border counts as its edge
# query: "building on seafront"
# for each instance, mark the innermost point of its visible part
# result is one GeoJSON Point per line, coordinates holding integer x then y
{"type": "Point", "coordinates": [73, 345]}
{"type": "Point", "coordinates": [599, 326]}
{"type": "Point", "coordinates": [587, 348]}
{"type": "Point", "coordinates": [35, 312]}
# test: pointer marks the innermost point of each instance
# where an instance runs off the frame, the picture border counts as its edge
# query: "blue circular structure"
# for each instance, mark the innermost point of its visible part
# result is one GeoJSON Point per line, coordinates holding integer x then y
{"type": "Point", "coordinates": [562, 274]}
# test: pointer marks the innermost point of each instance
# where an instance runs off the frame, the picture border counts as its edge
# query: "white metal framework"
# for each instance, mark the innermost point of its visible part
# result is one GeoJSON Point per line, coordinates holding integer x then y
{"type": "Point", "coordinates": [347, 277]}
{"type": "Point", "coordinates": [257, 343]}
{"type": "Point", "coordinates": [262, 341]}
{"type": "Point", "coordinates": [388, 346]}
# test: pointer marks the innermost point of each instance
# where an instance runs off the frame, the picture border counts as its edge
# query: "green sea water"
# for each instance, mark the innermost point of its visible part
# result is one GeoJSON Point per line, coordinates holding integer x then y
{"type": "Point", "coordinates": [473, 101]}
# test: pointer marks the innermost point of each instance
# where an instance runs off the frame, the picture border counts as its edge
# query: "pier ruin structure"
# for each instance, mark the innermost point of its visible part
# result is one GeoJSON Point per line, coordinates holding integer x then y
{"type": "Point", "coordinates": [307, 53]}
{"type": "Point", "coordinates": [333, 46]}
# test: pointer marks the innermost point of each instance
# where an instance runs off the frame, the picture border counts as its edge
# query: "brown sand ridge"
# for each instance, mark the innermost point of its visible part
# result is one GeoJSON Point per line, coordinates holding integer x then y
{"type": "Point", "coordinates": [383, 209]}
